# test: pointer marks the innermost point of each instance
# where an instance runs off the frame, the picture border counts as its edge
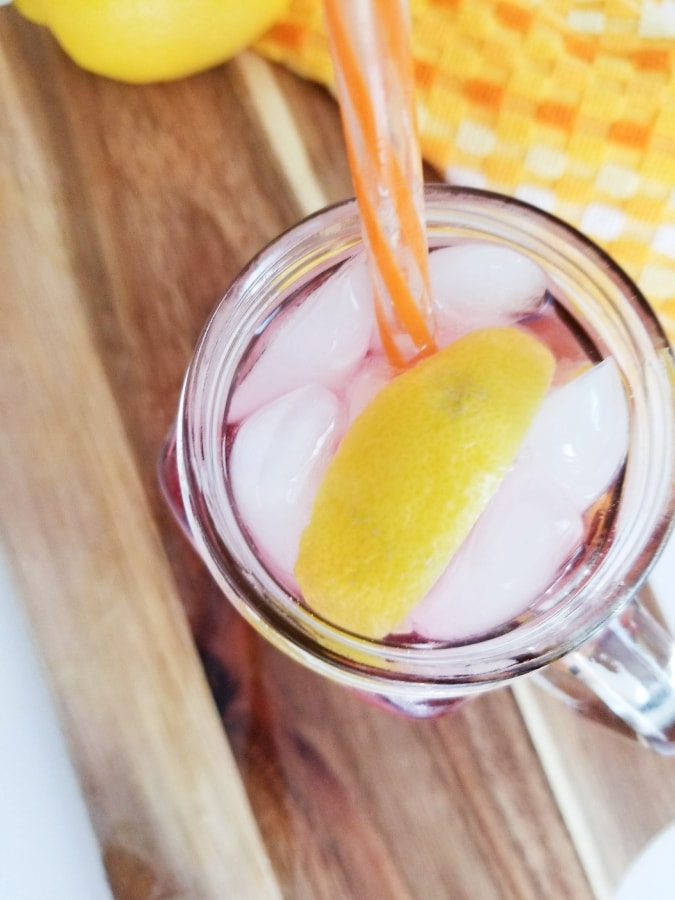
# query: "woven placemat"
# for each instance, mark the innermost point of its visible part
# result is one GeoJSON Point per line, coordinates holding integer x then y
{"type": "Point", "coordinates": [567, 105]}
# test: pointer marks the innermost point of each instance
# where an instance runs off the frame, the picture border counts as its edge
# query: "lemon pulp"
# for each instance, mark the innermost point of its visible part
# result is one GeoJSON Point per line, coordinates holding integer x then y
{"type": "Point", "coordinates": [413, 474]}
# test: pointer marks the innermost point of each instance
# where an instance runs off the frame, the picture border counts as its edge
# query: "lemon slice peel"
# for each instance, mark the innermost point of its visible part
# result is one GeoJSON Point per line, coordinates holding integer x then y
{"type": "Point", "coordinates": [413, 474]}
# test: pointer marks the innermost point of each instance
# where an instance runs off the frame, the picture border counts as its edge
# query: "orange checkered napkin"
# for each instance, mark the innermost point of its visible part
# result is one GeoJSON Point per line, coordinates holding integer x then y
{"type": "Point", "coordinates": [567, 104]}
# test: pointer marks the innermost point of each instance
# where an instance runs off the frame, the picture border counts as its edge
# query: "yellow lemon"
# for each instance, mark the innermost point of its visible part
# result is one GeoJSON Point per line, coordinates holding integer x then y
{"type": "Point", "coordinates": [413, 474]}
{"type": "Point", "coordinates": [152, 40]}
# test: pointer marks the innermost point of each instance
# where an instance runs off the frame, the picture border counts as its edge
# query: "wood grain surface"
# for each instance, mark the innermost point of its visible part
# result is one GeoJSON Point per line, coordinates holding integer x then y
{"type": "Point", "coordinates": [124, 213]}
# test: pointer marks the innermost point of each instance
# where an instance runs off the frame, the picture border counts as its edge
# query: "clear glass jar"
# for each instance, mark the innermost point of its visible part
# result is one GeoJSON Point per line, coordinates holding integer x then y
{"type": "Point", "coordinates": [425, 679]}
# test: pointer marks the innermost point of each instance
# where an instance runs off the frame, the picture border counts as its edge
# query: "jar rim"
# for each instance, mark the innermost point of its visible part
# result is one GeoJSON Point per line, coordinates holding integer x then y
{"type": "Point", "coordinates": [363, 663]}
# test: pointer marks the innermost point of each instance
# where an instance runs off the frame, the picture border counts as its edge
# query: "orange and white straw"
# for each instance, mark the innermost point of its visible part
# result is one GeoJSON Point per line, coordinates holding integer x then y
{"type": "Point", "coordinates": [372, 56]}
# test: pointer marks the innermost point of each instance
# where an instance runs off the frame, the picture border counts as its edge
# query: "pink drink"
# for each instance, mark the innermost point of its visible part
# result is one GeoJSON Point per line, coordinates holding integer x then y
{"type": "Point", "coordinates": [547, 581]}
{"type": "Point", "coordinates": [318, 362]}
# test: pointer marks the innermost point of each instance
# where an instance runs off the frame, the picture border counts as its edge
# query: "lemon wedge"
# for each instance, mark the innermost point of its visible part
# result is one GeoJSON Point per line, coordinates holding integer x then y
{"type": "Point", "coordinates": [413, 474]}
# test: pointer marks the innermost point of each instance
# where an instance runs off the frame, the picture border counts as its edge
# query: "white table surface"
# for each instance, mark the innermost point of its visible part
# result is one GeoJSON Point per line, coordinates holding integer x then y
{"type": "Point", "coordinates": [48, 850]}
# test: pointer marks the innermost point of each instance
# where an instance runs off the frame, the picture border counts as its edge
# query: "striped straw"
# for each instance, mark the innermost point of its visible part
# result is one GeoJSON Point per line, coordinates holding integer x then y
{"type": "Point", "coordinates": [372, 58]}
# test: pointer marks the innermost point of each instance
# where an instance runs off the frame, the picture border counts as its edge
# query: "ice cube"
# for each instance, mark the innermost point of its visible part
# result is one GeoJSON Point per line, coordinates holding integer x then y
{"type": "Point", "coordinates": [479, 283]}
{"type": "Point", "coordinates": [320, 342]}
{"type": "Point", "coordinates": [580, 434]}
{"type": "Point", "coordinates": [372, 376]}
{"type": "Point", "coordinates": [512, 555]}
{"type": "Point", "coordinates": [278, 458]}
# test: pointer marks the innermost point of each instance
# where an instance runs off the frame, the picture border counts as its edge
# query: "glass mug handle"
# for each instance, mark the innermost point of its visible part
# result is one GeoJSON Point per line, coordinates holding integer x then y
{"type": "Point", "coordinates": [624, 678]}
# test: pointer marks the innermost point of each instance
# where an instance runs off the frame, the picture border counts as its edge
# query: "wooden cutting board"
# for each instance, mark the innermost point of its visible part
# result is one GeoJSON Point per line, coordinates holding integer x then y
{"type": "Point", "coordinates": [212, 766]}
